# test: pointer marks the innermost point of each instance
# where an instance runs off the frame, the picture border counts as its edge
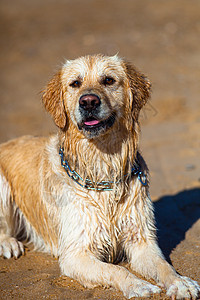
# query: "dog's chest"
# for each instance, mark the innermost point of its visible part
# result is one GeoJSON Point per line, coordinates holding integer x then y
{"type": "Point", "coordinates": [107, 229]}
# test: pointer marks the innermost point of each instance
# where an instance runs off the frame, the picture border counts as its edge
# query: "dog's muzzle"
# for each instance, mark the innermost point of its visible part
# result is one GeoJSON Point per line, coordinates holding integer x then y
{"type": "Point", "coordinates": [92, 121]}
{"type": "Point", "coordinates": [89, 105]}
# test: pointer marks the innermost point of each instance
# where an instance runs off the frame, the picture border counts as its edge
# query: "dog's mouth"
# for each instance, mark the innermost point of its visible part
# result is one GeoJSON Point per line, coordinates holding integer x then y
{"type": "Point", "coordinates": [94, 126]}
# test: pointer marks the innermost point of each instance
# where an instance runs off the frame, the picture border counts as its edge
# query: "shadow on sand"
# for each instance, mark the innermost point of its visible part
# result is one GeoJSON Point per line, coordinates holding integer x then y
{"type": "Point", "coordinates": [174, 216]}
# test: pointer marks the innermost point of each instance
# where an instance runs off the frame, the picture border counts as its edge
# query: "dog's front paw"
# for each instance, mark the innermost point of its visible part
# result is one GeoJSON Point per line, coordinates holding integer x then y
{"type": "Point", "coordinates": [183, 287]}
{"type": "Point", "coordinates": [140, 288]}
{"type": "Point", "coordinates": [9, 247]}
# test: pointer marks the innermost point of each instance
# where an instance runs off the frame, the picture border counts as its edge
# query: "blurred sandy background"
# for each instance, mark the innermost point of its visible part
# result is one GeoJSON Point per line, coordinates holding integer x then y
{"type": "Point", "coordinates": [162, 39]}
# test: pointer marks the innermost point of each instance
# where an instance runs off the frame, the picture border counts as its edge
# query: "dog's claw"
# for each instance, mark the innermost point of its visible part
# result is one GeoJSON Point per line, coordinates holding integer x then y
{"type": "Point", "coordinates": [9, 247]}
{"type": "Point", "coordinates": [141, 289]}
{"type": "Point", "coordinates": [183, 288]}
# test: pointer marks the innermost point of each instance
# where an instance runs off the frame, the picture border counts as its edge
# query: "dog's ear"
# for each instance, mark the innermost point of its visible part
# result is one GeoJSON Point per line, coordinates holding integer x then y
{"type": "Point", "coordinates": [53, 100]}
{"type": "Point", "coordinates": [140, 88]}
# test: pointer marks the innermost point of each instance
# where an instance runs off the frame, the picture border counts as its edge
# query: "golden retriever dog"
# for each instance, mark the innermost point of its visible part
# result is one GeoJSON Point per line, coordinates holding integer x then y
{"type": "Point", "coordinates": [83, 194]}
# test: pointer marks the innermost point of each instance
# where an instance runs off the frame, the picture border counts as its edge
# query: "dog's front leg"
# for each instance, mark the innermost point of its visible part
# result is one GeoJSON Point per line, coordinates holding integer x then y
{"type": "Point", "coordinates": [90, 272]}
{"type": "Point", "coordinates": [146, 258]}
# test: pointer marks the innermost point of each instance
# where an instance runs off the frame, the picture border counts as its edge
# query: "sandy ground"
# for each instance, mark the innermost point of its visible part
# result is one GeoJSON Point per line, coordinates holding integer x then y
{"type": "Point", "coordinates": [162, 39]}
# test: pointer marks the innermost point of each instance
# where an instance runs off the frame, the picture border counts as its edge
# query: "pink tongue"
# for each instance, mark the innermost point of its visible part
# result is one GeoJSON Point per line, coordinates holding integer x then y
{"type": "Point", "coordinates": [90, 123]}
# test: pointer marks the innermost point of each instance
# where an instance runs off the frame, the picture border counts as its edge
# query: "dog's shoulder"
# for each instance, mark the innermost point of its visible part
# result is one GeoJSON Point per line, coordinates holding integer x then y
{"type": "Point", "coordinates": [24, 145]}
{"type": "Point", "coordinates": [21, 153]}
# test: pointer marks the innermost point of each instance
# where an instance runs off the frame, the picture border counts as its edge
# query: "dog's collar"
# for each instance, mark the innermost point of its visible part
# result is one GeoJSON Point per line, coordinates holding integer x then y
{"type": "Point", "coordinates": [102, 185]}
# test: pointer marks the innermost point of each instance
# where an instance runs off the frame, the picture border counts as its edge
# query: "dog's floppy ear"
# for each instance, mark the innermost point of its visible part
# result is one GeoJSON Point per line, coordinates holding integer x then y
{"type": "Point", "coordinates": [140, 88]}
{"type": "Point", "coordinates": [53, 100]}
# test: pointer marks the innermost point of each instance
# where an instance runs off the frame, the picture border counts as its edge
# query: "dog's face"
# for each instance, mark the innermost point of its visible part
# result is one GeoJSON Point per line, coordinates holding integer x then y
{"type": "Point", "coordinates": [95, 93]}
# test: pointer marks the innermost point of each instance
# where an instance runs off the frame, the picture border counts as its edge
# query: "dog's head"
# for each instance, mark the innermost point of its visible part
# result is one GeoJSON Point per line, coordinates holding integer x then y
{"type": "Point", "coordinates": [95, 93]}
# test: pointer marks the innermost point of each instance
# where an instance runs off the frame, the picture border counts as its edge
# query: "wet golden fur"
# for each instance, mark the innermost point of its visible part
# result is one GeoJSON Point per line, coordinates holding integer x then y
{"type": "Point", "coordinates": [87, 230]}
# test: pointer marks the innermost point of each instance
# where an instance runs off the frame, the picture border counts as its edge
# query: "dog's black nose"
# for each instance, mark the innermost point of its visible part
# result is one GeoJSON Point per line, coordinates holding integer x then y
{"type": "Point", "coordinates": [89, 102]}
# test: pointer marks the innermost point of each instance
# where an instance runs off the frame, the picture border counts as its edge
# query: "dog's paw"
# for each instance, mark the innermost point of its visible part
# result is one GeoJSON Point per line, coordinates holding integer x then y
{"type": "Point", "coordinates": [183, 287]}
{"type": "Point", "coordinates": [141, 289]}
{"type": "Point", "coordinates": [9, 247]}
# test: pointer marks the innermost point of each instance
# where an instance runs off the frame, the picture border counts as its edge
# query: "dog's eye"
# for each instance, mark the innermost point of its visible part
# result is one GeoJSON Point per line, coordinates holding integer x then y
{"type": "Point", "coordinates": [75, 83]}
{"type": "Point", "coordinates": [108, 81]}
